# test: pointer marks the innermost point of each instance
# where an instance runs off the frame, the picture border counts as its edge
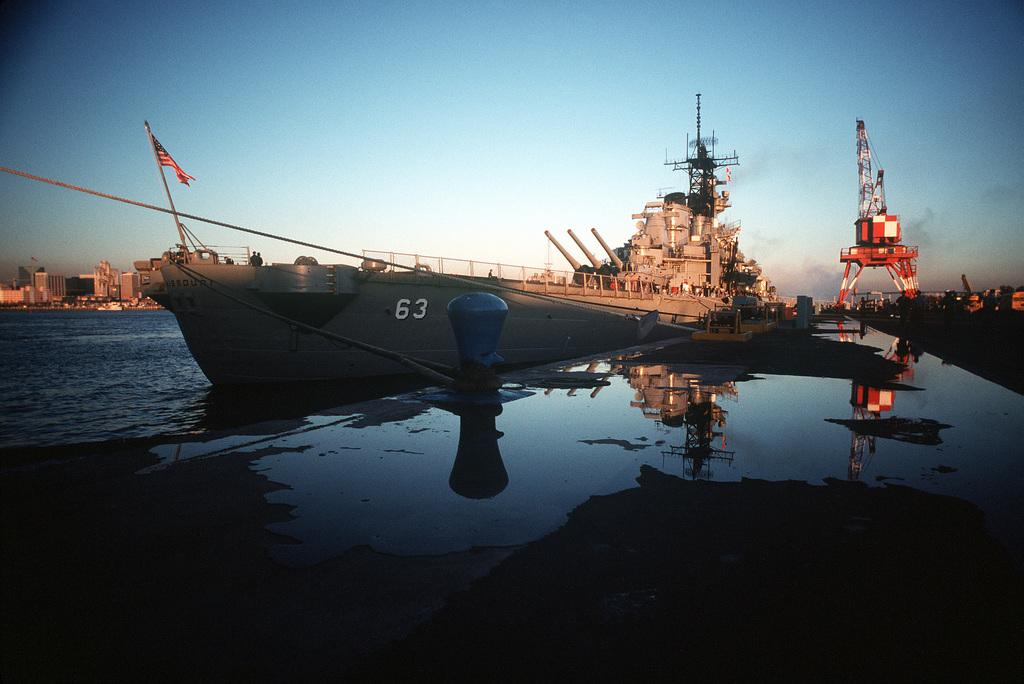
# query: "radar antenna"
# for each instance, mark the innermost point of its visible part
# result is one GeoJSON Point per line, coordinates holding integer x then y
{"type": "Point", "coordinates": [702, 198]}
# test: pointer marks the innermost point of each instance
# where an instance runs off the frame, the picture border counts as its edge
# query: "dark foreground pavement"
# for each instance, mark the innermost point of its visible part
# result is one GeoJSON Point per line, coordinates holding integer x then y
{"type": "Point", "coordinates": [109, 576]}
{"type": "Point", "coordinates": [748, 581]}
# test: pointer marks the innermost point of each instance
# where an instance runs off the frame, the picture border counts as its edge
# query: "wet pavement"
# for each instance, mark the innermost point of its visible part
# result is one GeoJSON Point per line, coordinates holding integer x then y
{"type": "Point", "coordinates": [803, 499]}
{"type": "Point", "coordinates": [433, 472]}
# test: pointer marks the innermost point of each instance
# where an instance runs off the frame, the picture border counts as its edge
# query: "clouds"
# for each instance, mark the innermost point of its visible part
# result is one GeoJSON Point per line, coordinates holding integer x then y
{"type": "Point", "coordinates": [809, 277]}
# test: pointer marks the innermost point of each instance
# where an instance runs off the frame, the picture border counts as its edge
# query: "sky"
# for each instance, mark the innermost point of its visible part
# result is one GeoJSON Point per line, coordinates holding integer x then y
{"type": "Point", "coordinates": [466, 130]}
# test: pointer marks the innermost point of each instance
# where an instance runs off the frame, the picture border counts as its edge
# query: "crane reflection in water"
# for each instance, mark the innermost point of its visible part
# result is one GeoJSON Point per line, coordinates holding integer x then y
{"type": "Point", "coordinates": [872, 400]}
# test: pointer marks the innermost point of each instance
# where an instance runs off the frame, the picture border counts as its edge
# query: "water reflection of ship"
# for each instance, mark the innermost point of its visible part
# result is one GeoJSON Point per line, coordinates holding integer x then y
{"type": "Point", "coordinates": [680, 399]}
{"type": "Point", "coordinates": [870, 400]}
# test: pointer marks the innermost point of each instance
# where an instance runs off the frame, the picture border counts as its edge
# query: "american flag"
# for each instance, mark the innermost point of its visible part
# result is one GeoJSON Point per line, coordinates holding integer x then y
{"type": "Point", "coordinates": [165, 160]}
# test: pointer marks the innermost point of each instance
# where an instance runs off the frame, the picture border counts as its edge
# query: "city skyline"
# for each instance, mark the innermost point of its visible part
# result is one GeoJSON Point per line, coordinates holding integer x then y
{"type": "Point", "coordinates": [48, 286]}
{"type": "Point", "coordinates": [38, 265]}
{"type": "Point", "coordinates": [467, 132]}
{"type": "Point", "coordinates": [887, 288]}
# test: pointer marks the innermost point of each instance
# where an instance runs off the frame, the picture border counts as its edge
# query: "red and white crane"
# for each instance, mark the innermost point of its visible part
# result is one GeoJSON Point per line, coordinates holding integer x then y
{"type": "Point", "coordinates": [877, 231]}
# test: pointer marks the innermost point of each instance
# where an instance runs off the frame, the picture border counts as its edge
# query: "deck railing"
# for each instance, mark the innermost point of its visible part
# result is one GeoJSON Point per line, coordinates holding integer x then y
{"type": "Point", "coordinates": [877, 250]}
{"type": "Point", "coordinates": [531, 279]}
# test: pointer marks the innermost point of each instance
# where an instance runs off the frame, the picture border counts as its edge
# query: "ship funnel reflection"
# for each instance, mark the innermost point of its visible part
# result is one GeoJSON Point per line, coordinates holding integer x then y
{"type": "Point", "coordinates": [686, 400]}
{"type": "Point", "coordinates": [873, 402]}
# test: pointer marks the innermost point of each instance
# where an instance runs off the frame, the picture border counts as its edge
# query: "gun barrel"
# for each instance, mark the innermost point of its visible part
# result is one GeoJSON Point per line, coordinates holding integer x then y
{"type": "Point", "coordinates": [611, 255]}
{"type": "Point", "coordinates": [593, 260]}
{"type": "Point", "coordinates": [568, 257]}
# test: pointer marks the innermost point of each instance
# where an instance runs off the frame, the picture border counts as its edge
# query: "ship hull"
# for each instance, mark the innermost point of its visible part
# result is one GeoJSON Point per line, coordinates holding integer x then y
{"type": "Point", "coordinates": [683, 310]}
{"type": "Point", "coordinates": [236, 321]}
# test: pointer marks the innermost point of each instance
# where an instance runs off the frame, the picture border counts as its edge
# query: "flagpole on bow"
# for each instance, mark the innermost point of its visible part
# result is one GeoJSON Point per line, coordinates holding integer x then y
{"type": "Point", "coordinates": [174, 212]}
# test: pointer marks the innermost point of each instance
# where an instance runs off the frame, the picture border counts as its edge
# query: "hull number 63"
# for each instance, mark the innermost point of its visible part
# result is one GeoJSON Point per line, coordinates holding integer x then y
{"type": "Point", "coordinates": [405, 307]}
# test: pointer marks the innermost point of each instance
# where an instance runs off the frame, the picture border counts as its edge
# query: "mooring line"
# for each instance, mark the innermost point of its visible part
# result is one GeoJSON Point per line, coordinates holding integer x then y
{"type": "Point", "coordinates": [475, 283]}
{"type": "Point", "coordinates": [182, 214]}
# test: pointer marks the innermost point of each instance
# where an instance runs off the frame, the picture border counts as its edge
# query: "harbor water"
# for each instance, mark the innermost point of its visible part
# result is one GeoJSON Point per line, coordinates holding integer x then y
{"type": "Point", "coordinates": [68, 377]}
{"type": "Point", "coordinates": [416, 473]}
{"type": "Point", "coordinates": [87, 376]}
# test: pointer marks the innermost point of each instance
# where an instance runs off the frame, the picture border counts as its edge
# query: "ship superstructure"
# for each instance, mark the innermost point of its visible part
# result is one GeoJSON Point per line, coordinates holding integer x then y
{"type": "Point", "coordinates": [682, 253]}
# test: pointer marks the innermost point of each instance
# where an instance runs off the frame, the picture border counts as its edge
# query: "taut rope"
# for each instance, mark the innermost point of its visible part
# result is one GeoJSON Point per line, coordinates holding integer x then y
{"type": "Point", "coordinates": [271, 236]}
{"type": "Point", "coordinates": [179, 213]}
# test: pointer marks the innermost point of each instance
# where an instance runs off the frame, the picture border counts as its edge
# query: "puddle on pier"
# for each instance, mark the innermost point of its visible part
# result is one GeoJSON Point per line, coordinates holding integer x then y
{"type": "Point", "coordinates": [417, 475]}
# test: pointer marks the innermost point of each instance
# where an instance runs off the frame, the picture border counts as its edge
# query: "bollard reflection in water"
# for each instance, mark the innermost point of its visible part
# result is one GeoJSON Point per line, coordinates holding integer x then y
{"type": "Point", "coordinates": [478, 471]}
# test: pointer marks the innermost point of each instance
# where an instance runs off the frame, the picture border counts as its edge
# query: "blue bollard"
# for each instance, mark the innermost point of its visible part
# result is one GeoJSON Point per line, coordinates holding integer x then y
{"type": "Point", "coordinates": [477, 319]}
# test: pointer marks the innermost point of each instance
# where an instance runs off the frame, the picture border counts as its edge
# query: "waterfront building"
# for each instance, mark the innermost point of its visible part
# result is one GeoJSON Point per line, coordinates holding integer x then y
{"type": "Point", "coordinates": [81, 285]}
{"type": "Point", "coordinates": [129, 285]}
{"type": "Point", "coordinates": [106, 280]}
{"type": "Point", "coordinates": [21, 295]}
{"type": "Point", "coordinates": [53, 287]}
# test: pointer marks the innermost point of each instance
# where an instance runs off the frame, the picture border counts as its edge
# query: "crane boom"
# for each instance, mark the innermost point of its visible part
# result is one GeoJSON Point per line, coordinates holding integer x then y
{"type": "Point", "coordinates": [864, 165]}
{"type": "Point", "coordinates": [872, 194]}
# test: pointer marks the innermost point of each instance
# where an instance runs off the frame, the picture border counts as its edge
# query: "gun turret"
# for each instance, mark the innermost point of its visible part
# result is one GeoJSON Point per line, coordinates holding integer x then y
{"type": "Point", "coordinates": [611, 255]}
{"type": "Point", "coordinates": [590, 257]}
{"type": "Point", "coordinates": [568, 257]}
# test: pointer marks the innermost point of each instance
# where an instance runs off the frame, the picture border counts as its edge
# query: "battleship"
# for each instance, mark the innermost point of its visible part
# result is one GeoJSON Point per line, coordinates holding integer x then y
{"type": "Point", "coordinates": [248, 323]}
{"type": "Point", "coordinates": [245, 321]}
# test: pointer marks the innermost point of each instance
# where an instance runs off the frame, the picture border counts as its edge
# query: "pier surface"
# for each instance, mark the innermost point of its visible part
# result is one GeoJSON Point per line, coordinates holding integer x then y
{"type": "Point", "coordinates": [113, 577]}
{"type": "Point", "coordinates": [994, 352]}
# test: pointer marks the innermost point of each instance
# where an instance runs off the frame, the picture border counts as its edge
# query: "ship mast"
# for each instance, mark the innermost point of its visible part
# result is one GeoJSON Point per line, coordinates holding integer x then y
{"type": "Point", "coordinates": [702, 197]}
{"type": "Point", "coordinates": [174, 212]}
